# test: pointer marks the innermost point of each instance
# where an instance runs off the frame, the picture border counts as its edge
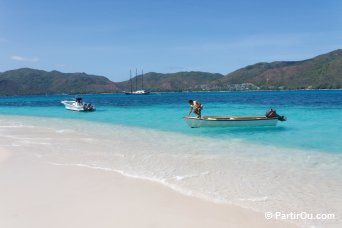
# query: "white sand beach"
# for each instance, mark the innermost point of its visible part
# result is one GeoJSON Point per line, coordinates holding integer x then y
{"type": "Point", "coordinates": [36, 193]}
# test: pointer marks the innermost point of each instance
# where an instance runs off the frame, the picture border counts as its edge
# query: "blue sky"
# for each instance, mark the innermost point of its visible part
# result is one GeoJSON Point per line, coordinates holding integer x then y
{"type": "Point", "coordinates": [111, 37]}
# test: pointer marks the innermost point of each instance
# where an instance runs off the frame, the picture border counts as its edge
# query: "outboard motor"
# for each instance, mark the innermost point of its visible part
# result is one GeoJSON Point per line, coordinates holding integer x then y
{"type": "Point", "coordinates": [273, 114]}
{"type": "Point", "coordinates": [88, 107]}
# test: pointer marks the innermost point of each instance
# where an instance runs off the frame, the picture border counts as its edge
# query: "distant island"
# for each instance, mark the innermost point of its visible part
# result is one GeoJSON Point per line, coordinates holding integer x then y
{"type": "Point", "coordinates": [26, 81]}
{"type": "Point", "coordinates": [321, 72]}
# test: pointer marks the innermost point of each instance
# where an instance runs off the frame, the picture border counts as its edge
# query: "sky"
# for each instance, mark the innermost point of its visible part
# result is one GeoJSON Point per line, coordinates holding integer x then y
{"type": "Point", "coordinates": [109, 38]}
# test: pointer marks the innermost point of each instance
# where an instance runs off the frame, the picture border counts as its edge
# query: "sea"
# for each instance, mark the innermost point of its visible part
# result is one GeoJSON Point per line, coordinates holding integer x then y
{"type": "Point", "coordinates": [295, 167]}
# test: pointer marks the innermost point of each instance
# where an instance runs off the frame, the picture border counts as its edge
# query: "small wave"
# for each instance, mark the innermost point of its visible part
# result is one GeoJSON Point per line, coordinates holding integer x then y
{"type": "Point", "coordinates": [36, 143]}
{"type": "Point", "coordinates": [179, 178]}
{"type": "Point", "coordinates": [64, 131]}
{"type": "Point", "coordinates": [176, 188]}
{"type": "Point", "coordinates": [12, 126]}
{"type": "Point", "coordinates": [257, 199]}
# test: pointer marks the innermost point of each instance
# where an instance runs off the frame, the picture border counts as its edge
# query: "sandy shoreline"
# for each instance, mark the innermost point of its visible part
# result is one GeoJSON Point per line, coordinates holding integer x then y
{"type": "Point", "coordinates": [34, 193]}
{"type": "Point", "coordinates": [54, 174]}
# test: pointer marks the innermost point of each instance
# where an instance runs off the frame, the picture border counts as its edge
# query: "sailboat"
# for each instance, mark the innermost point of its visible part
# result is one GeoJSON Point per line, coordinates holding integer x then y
{"type": "Point", "coordinates": [137, 92]}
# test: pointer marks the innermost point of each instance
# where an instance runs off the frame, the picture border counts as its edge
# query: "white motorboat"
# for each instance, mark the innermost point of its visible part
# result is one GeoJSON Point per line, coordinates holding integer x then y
{"type": "Point", "coordinates": [78, 105]}
{"type": "Point", "coordinates": [270, 119]}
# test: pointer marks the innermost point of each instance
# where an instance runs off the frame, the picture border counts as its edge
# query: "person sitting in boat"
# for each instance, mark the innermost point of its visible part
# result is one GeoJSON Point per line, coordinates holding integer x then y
{"type": "Point", "coordinates": [195, 106]}
{"type": "Point", "coordinates": [273, 113]}
{"type": "Point", "coordinates": [79, 101]}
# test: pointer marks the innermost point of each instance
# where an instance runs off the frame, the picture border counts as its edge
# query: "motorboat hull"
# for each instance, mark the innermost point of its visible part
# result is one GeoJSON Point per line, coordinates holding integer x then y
{"type": "Point", "coordinates": [80, 107]}
{"type": "Point", "coordinates": [230, 121]}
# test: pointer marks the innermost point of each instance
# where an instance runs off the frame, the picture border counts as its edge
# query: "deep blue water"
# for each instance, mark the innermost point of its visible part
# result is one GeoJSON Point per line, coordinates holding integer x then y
{"type": "Point", "coordinates": [314, 117]}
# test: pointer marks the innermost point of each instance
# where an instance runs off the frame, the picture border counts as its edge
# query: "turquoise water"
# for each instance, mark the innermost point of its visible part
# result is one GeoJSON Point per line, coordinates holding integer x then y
{"type": "Point", "coordinates": [284, 168]}
{"type": "Point", "coordinates": [314, 117]}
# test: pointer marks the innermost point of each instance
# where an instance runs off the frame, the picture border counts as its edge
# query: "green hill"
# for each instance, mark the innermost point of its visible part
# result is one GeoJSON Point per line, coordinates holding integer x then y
{"type": "Point", "coordinates": [27, 81]}
{"type": "Point", "coordinates": [181, 81]}
{"type": "Point", "coordinates": [321, 72]}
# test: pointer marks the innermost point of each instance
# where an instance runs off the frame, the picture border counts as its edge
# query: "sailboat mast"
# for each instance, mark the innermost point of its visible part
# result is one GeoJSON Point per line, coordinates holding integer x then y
{"type": "Point", "coordinates": [142, 79]}
{"type": "Point", "coordinates": [130, 79]}
{"type": "Point", "coordinates": [136, 79]}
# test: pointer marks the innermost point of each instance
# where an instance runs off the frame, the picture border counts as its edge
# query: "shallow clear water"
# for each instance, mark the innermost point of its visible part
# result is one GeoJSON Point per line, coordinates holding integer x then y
{"type": "Point", "coordinates": [314, 117]}
{"type": "Point", "coordinates": [294, 167]}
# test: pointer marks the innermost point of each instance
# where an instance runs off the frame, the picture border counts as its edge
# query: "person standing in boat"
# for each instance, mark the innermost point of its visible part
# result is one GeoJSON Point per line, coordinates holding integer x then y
{"type": "Point", "coordinates": [197, 107]}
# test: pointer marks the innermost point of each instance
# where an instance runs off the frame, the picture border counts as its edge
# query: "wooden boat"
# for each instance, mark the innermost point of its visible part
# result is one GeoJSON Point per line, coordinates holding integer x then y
{"type": "Point", "coordinates": [232, 121]}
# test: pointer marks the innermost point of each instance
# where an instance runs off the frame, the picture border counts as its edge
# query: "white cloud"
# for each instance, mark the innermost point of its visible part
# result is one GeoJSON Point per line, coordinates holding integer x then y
{"type": "Point", "coordinates": [24, 59]}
